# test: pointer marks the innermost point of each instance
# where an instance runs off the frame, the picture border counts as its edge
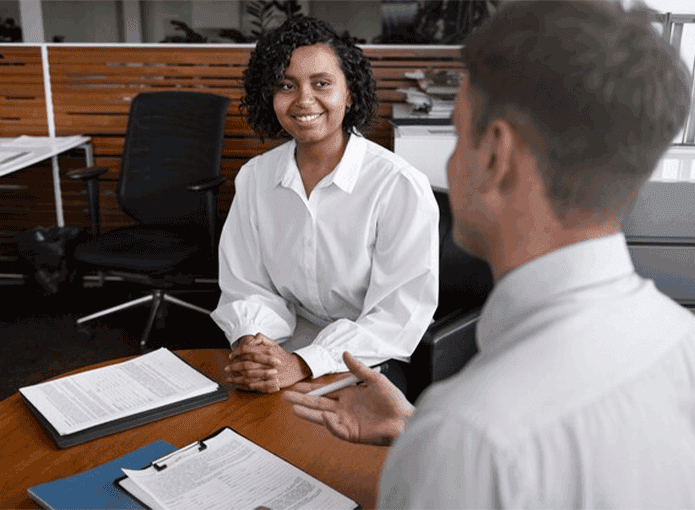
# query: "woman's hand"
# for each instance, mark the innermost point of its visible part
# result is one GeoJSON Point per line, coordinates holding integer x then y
{"type": "Point", "coordinates": [374, 411]}
{"type": "Point", "coordinates": [260, 364]}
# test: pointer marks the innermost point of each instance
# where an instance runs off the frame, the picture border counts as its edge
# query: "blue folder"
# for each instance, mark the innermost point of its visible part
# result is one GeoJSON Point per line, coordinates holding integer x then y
{"type": "Point", "coordinates": [95, 488]}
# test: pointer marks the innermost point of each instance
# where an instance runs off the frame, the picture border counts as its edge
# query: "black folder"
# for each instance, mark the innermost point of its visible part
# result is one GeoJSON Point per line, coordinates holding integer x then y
{"type": "Point", "coordinates": [128, 422]}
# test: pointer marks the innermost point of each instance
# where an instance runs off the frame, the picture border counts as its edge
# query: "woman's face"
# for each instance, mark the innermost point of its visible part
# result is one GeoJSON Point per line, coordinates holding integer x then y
{"type": "Point", "coordinates": [311, 100]}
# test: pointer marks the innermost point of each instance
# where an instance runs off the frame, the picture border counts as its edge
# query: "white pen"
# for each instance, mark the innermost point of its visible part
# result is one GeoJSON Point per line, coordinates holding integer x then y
{"type": "Point", "coordinates": [338, 385]}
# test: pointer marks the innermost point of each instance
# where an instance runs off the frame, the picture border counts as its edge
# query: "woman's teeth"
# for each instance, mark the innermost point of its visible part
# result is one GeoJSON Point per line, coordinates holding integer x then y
{"type": "Point", "coordinates": [307, 118]}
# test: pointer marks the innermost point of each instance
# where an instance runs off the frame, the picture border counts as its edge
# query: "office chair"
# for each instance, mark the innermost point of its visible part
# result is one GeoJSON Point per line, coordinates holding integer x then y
{"type": "Point", "coordinates": [449, 342]}
{"type": "Point", "coordinates": [168, 185]}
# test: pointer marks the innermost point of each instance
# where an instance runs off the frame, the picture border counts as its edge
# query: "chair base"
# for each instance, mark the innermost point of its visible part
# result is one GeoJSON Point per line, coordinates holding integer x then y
{"type": "Point", "coordinates": [157, 296]}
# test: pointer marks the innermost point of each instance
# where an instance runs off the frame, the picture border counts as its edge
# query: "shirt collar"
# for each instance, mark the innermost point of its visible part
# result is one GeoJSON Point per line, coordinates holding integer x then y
{"type": "Point", "coordinates": [344, 175]}
{"type": "Point", "coordinates": [540, 281]}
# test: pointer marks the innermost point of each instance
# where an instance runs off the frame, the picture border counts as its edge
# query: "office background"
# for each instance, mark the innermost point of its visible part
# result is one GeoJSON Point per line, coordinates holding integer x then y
{"type": "Point", "coordinates": [38, 337]}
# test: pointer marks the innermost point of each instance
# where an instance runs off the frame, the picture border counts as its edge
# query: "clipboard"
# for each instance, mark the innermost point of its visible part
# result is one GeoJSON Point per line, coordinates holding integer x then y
{"type": "Point", "coordinates": [124, 483]}
{"type": "Point", "coordinates": [128, 422]}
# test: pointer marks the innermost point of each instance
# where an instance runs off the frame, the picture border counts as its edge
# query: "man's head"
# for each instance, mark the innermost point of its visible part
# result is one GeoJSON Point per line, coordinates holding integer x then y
{"type": "Point", "coordinates": [590, 93]}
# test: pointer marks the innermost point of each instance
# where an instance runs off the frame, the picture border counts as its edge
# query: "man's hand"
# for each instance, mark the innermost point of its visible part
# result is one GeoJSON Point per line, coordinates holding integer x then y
{"type": "Point", "coordinates": [260, 364]}
{"type": "Point", "coordinates": [374, 411]}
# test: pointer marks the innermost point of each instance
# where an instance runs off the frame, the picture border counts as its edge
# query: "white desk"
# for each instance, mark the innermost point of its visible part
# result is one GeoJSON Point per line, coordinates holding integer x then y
{"type": "Point", "coordinates": [427, 148]}
{"type": "Point", "coordinates": [24, 151]}
{"type": "Point", "coordinates": [425, 141]}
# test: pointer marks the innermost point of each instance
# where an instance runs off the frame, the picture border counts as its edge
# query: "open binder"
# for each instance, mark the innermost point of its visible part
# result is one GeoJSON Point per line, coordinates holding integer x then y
{"type": "Point", "coordinates": [135, 419]}
{"type": "Point", "coordinates": [226, 470]}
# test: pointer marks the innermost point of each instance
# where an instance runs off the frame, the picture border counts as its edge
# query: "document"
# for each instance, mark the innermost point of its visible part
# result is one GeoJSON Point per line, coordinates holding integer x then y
{"type": "Point", "coordinates": [7, 156]}
{"type": "Point", "coordinates": [229, 471]}
{"type": "Point", "coordinates": [77, 402]}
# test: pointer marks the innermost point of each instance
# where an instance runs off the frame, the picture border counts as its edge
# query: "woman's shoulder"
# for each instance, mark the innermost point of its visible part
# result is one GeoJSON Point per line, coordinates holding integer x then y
{"type": "Point", "coordinates": [386, 164]}
{"type": "Point", "coordinates": [263, 165]}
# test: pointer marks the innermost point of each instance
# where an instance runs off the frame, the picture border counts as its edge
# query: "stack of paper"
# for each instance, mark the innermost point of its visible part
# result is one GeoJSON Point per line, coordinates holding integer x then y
{"type": "Point", "coordinates": [109, 399]}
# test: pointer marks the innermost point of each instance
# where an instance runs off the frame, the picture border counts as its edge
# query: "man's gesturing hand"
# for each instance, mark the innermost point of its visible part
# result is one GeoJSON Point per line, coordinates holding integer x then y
{"type": "Point", "coordinates": [374, 411]}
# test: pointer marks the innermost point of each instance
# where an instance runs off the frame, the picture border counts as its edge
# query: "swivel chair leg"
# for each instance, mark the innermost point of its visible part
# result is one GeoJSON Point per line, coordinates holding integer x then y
{"type": "Point", "coordinates": [157, 297]}
{"type": "Point", "coordinates": [129, 304]}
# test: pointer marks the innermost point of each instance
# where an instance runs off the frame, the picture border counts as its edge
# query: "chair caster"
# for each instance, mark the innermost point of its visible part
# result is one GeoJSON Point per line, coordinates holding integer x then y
{"type": "Point", "coordinates": [85, 332]}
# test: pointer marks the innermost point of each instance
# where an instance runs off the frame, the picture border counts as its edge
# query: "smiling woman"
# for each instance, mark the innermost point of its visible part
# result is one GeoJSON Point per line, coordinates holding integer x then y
{"type": "Point", "coordinates": [331, 243]}
{"type": "Point", "coordinates": [310, 104]}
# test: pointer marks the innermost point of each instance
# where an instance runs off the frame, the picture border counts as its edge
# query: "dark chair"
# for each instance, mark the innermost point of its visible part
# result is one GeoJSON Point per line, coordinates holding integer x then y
{"type": "Point", "coordinates": [168, 185]}
{"type": "Point", "coordinates": [464, 284]}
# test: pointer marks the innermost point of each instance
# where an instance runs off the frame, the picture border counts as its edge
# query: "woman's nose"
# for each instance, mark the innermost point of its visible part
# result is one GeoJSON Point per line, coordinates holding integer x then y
{"type": "Point", "coordinates": [306, 95]}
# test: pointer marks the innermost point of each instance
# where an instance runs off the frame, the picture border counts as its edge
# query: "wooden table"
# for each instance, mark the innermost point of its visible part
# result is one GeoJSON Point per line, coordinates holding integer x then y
{"type": "Point", "coordinates": [29, 457]}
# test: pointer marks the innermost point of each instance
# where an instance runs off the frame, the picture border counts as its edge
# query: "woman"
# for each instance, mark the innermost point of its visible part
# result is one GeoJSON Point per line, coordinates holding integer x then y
{"type": "Point", "coordinates": [331, 243]}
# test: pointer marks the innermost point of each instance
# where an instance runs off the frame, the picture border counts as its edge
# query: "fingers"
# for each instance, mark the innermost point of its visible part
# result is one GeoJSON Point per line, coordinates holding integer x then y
{"type": "Point", "coordinates": [361, 371]}
{"type": "Point", "coordinates": [250, 343]}
{"type": "Point", "coordinates": [337, 427]}
{"type": "Point", "coordinates": [310, 401]}
{"type": "Point", "coordinates": [260, 373]}
{"type": "Point", "coordinates": [266, 386]}
{"type": "Point", "coordinates": [255, 360]}
{"type": "Point", "coordinates": [308, 414]}
{"type": "Point", "coordinates": [269, 385]}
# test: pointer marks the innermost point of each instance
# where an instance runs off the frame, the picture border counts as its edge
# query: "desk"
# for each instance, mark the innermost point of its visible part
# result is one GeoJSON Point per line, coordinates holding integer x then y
{"type": "Point", "coordinates": [29, 457]}
{"type": "Point", "coordinates": [426, 142]}
{"type": "Point", "coordinates": [22, 152]}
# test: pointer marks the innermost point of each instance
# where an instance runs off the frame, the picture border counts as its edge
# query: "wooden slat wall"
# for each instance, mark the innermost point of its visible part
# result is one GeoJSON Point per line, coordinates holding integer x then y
{"type": "Point", "coordinates": [92, 88]}
{"type": "Point", "coordinates": [22, 97]}
{"type": "Point", "coordinates": [22, 112]}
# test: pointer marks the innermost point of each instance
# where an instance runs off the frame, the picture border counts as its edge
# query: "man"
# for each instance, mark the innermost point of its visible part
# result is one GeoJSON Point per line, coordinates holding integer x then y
{"type": "Point", "coordinates": [583, 392]}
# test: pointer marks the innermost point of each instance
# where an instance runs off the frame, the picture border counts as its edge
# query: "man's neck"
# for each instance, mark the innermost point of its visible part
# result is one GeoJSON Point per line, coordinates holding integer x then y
{"type": "Point", "coordinates": [513, 252]}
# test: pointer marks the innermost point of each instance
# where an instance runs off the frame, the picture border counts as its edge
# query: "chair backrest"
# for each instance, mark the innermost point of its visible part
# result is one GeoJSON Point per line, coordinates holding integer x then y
{"type": "Point", "coordinates": [464, 281]}
{"type": "Point", "coordinates": [464, 284]}
{"type": "Point", "coordinates": [447, 346]}
{"type": "Point", "coordinates": [173, 139]}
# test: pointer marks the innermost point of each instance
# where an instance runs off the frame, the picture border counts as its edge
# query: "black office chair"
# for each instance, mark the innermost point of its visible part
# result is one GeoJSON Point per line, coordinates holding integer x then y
{"type": "Point", "coordinates": [168, 184]}
{"type": "Point", "coordinates": [464, 284]}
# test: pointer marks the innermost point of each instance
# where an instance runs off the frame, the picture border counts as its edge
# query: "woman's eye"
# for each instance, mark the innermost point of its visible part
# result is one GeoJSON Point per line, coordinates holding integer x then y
{"type": "Point", "coordinates": [285, 87]}
{"type": "Point", "coordinates": [322, 84]}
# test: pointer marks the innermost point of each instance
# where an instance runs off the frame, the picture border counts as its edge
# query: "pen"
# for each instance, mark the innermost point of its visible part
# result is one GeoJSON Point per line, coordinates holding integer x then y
{"type": "Point", "coordinates": [338, 385]}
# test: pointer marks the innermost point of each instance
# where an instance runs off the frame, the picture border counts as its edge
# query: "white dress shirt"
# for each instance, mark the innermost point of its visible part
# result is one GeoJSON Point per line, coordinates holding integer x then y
{"type": "Point", "coordinates": [582, 395]}
{"type": "Point", "coordinates": [359, 257]}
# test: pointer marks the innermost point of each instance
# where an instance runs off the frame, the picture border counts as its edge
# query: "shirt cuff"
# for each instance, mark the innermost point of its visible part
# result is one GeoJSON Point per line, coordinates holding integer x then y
{"type": "Point", "coordinates": [242, 330]}
{"type": "Point", "coordinates": [320, 362]}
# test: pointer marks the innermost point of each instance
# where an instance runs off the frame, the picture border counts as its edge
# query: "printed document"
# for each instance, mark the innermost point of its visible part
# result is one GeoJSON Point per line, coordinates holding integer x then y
{"type": "Point", "coordinates": [102, 395]}
{"type": "Point", "coordinates": [229, 471]}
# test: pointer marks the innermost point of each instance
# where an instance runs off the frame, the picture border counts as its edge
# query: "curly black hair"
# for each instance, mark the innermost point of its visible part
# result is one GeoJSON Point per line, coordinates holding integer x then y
{"type": "Point", "coordinates": [270, 58]}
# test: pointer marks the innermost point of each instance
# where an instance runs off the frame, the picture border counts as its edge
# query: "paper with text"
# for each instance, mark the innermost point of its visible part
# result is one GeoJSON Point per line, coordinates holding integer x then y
{"type": "Point", "coordinates": [233, 472]}
{"type": "Point", "coordinates": [102, 395]}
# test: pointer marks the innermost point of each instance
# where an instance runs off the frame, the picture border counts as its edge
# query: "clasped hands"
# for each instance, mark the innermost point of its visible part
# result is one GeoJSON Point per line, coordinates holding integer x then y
{"type": "Point", "coordinates": [374, 411]}
{"type": "Point", "coordinates": [260, 364]}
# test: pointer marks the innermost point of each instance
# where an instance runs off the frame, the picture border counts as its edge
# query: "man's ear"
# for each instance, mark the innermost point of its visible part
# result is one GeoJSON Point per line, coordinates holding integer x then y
{"type": "Point", "coordinates": [497, 152]}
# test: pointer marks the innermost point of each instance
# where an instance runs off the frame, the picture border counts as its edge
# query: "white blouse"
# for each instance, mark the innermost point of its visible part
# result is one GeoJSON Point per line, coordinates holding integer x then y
{"type": "Point", "coordinates": [358, 257]}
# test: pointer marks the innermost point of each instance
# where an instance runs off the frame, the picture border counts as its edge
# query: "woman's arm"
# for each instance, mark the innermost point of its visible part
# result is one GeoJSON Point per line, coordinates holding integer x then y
{"type": "Point", "coordinates": [249, 303]}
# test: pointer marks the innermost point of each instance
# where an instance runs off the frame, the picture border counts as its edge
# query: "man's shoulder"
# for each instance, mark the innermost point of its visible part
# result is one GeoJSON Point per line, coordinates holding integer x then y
{"type": "Point", "coordinates": [555, 368]}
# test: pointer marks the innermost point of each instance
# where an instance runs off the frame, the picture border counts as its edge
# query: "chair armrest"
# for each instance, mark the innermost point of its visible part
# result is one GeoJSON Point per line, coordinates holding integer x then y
{"type": "Point", "coordinates": [210, 187]}
{"type": "Point", "coordinates": [207, 184]}
{"type": "Point", "coordinates": [446, 347]}
{"type": "Point", "coordinates": [90, 176]}
{"type": "Point", "coordinates": [84, 174]}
